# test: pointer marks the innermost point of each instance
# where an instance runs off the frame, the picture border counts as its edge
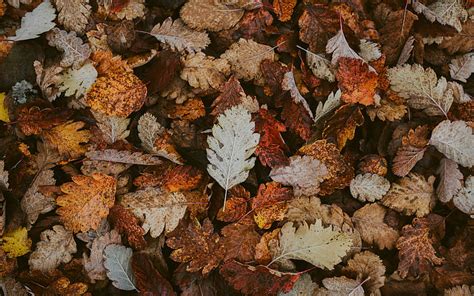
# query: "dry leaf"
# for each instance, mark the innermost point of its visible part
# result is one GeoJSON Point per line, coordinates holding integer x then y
{"type": "Point", "coordinates": [317, 25]}
{"type": "Point", "coordinates": [444, 12]}
{"type": "Point", "coordinates": [387, 111]}
{"type": "Point", "coordinates": [3, 176]}
{"type": "Point", "coordinates": [462, 67]}
{"type": "Point", "coordinates": [94, 264]}
{"type": "Point", "coordinates": [367, 265]}
{"type": "Point", "coordinates": [232, 94]}
{"type": "Point", "coordinates": [36, 22]}
{"type": "Point", "coordinates": [289, 84]}
{"type": "Point", "coordinates": [239, 241]}
{"type": "Point", "coordinates": [75, 52]}
{"type": "Point", "coordinates": [450, 178]}
{"type": "Point", "coordinates": [341, 286]}
{"type": "Point", "coordinates": [342, 125]}
{"type": "Point", "coordinates": [77, 81]}
{"type": "Point", "coordinates": [159, 210]}
{"type": "Point", "coordinates": [124, 156]}
{"type": "Point", "coordinates": [119, 271]}
{"type": "Point", "coordinates": [339, 48]}
{"type": "Point", "coordinates": [55, 247]}
{"type": "Point", "coordinates": [369, 187]}
{"type": "Point", "coordinates": [68, 138]}
{"type": "Point", "coordinates": [48, 79]}
{"type": "Point", "coordinates": [270, 204]}
{"type": "Point", "coordinates": [86, 201]}
{"type": "Point", "coordinates": [356, 81]}
{"type": "Point", "coordinates": [113, 128]}
{"type": "Point", "coordinates": [126, 223]}
{"type": "Point", "coordinates": [464, 199]}
{"type": "Point", "coordinates": [463, 290]}
{"type": "Point", "coordinates": [16, 242]}
{"type": "Point", "coordinates": [411, 151]}
{"type": "Point", "coordinates": [34, 202]}
{"type": "Point", "coordinates": [369, 221]}
{"type": "Point", "coordinates": [236, 205]}
{"type": "Point", "coordinates": [332, 102]}
{"type": "Point", "coordinates": [73, 14]}
{"type": "Point", "coordinates": [204, 72]}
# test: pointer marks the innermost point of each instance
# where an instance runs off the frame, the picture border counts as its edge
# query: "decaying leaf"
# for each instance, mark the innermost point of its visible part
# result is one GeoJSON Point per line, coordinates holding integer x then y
{"type": "Point", "coordinates": [36, 22]}
{"type": "Point", "coordinates": [462, 67]}
{"type": "Point", "coordinates": [367, 265]}
{"type": "Point", "coordinates": [232, 94]}
{"type": "Point", "coordinates": [332, 102]}
{"type": "Point", "coordinates": [270, 204]}
{"type": "Point", "coordinates": [125, 222]}
{"type": "Point", "coordinates": [68, 138]}
{"type": "Point", "coordinates": [113, 128]}
{"type": "Point", "coordinates": [56, 246]}
{"type": "Point", "coordinates": [239, 241]}
{"type": "Point", "coordinates": [387, 111]}
{"type": "Point", "coordinates": [342, 125]}
{"type": "Point", "coordinates": [356, 82]}
{"type": "Point", "coordinates": [464, 199]}
{"type": "Point", "coordinates": [48, 79]}
{"type": "Point", "coordinates": [411, 151]}
{"type": "Point", "coordinates": [124, 156]}
{"type": "Point", "coordinates": [75, 52]}
{"type": "Point", "coordinates": [369, 187]}
{"type": "Point", "coordinates": [117, 261]}
{"type": "Point", "coordinates": [86, 201]}
{"type": "Point", "coordinates": [284, 9]}
{"type": "Point", "coordinates": [449, 180]}
{"type": "Point", "coordinates": [339, 48]}
{"type": "Point", "coordinates": [444, 12]}
{"type": "Point", "coordinates": [341, 286]}
{"type": "Point", "coordinates": [149, 280]}
{"type": "Point", "coordinates": [94, 264]}
{"type": "Point", "coordinates": [34, 202]}
{"type": "Point", "coordinates": [73, 14]}
{"type": "Point", "coordinates": [289, 84]}
{"type": "Point", "coordinates": [304, 286]}
{"type": "Point", "coordinates": [204, 72]}
{"type": "Point", "coordinates": [78, 81]}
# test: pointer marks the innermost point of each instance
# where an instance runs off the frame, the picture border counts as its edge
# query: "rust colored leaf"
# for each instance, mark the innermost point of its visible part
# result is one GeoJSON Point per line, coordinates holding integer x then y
{"type": "Point", "coordinates": [231, 95]}
{"type": "Point", "coordinates": [68, 139]}
{"type": "Point", "coordinates": [271, 148]}
{"type": "Point", "coordinates": [297, 119]}
{"type": "Point", "coordinates": [163, 69]}
{"type": "Point", "coordinates": [270, 204]}
{"type": "Point", "coordinates": [236, 205]}
{"type": "Point", "coordinates": [197, 245]}
{"type": "Point", "coordinates": [191, 110]}
{"type": "Point", "coordinates": [63, 286]}
{"type": "Point", "coordinates": [86, 200]}
{"type": "Point", "coordinates": [341, 127]}
{"type": "Point", "coordinates": [317, 25]}
{"type": "Point", "coordinates": [258, 280]}
{"type": "Point", "coordinates": [416, 252]}
{"type": "Point", "coordinates": [107, 63]}
{"type": "Point", "coordinates": [126, 223]}
{"type": "Point", "coordinates": [149, 281]}
{"type": "Point", "coordinates": [33, 120]}
{"type": "Point", "coordinates": [273, 73]}
{"type": "Point", "coordinates": [239, 241]}
{"type": "Point", "coordinates": [182, 178]}
{"type": "Point", "coordinates": [356, 81]}
{"type": "Point", "coordinates": [284, 9]}
{"type": "Point", "coordinates": [255, 24]}
{"type": "Point", "coordinates": [117, 94]}
{"type": "Point", "coordinates": [411, 151]}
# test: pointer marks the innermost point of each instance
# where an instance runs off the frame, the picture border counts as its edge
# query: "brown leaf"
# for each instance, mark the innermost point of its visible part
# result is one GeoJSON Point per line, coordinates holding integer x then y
{"type": "Point", "coordinates": [259, 280]}
{"type": "Point", "coordinates": [297, 119]}
{"type": "Point", "coordinates": [342, 125]}
{"type": "Point", "coordinates": [68, 139]}
{"type": "Point", "coordinates": [284, 9]}
{"type": "Point", "coordinates": [232, 94]}
{"type": "Point", "coordinates": [198, 245]}
{"type": "Point", "coordinates": [107, 63]}
{"type": "Point", "coordinates": [118, 94]}
{"type": "Point", "coordinates": [239, 241]}
{"type": "Point", "coordinates": [33, 120]}
{"type": "Point", "coordinates": [255, 24]}
{"type": "Point", "coordinates": [161, 71]}
{"type": "Point", "coordinates": [63, 286]}
{"type": "Point", "coordinates": [262, 250]}
{"type": "Point", "coordinates": [271, 148]}
{"type": "Point", "coordinates": [367, 265]}
{"type": "Point", "coordinates": [270, 204]}
{"type": "Point", "coordinates": [273, 73]}
{"type": "Point", "coordinates": [126, 223]}
{"type": "Point", "coordinates": [317, 25]}
{"type": "Point", "coordinates": [416, 252]}
{"type": "Point", "coordinates": [191, 110]}
{"type": "Point", "coordinates": [86, 201]}
{"type": "Point", "coordinates": [356, 81]}
{"type": "Point", "coordinates": [236, 205]}
{"type": "Point", "coordinates": [149, 281]}
{"type": "Point", "coordinates": [94, 265]}
{"type": "Point", "coordinates": [460, 43]}
{"type": "Point", "coordinates": [412, 150]}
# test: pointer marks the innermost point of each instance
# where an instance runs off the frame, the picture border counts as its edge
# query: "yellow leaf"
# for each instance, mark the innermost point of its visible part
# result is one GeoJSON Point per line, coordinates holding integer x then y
{"type": "Point", "coordinates": [3, 109]}
{"type": "Point", "coordinates": [16, 243]}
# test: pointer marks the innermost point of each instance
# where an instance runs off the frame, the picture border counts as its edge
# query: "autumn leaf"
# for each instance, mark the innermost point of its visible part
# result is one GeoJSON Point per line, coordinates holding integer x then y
{"type": "Point", "coordinates": [297, 119]}
{"type": "Point", "coordinates": [73, 15]}
{"type": "Point", "coordinates": [236, 205]}
{"type": "Point", "coordinates": [367, 265]}
{"type": "Point", "coordinates": [196, 245]}
{"type": "Point", "coordinates": [450, 178]}
{"type": "Point", "coordinates": [369, 187]}
{"type": "Point", "coordinates": [356, 81]}
{"type": "Point", "coordinates": [270, 204]}
{"type": "Point", "coordinates": [94, 264]}
{"type": "Point", "coordinates": [317, 25]}
{"type": "Point", "coordinates": [239, 241]}
{"type": "Point", "coordinates": [126, 223]}
{"type": "Point", "coordinates": [411, 151]}
{"type": "Point", "coordinates": [232, 94]}
{"type": "Point", "coordinates": [191, 110]}
{"type": "Point", "coordinates": [75, 53]}
{"type": "Point", "coordinates": [462, 67]}
{"type": "Point", "coordinates": [464, 199]}
{"type": "Point", "coordinates": [258, 280]}
{"type": "Point", "coordinates": [339, 286]}
{"type": "Point", "coordinates": [68, 138]}
{"type": "Point", "coordinates": [86, 200]}
{"type": "Point", "coordinates": [36, 22]}
{"type": "Point", "coordinates": [289, 84]}
{"type": "Point", "coordinates": [117, 261]}
{"type": "Point", "coordinates": [204, 72]}
{"type": "Point", "coordinates": [284, 9]}
{"type": "Point", "coordinates": [33, 120]}
{"type": "Point", "coordinates": [34, 202]}
{"type": "Point", "coordinates": [16, 242]}
{"type": "Point", "coordinates": [149, 281]}
{"type": "Point", "coordinates": [341, 127]}
{"type": "Point", "coordinates": [182, 178]}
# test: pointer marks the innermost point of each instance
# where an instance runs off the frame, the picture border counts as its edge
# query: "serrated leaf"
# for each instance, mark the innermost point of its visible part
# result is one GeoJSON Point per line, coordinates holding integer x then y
{"type": "Point", "coordinates": [94, 264]}
{"type": "Point", "coordinates": [332, 102]}
{"type": "Point", "coordinates": [369, 51]}
{"type": "Point", "coordinates": [445, 12]}
{"type": "Point", "coordinates": [369, 187]}
{"type": "Point", "coordinates": [159, 210]}
{"type": "Point", "coordinates": [462, 67]}
{"type": "Point", "coordinates": [118, 265]}
{"type": "Point", "coordinates": [232, 143]}
{"type": "Point", "coordinates": [75, 52]}
{"type": "Point", "coordinates": [179, 37]}
{"type": "Point", "coordinates": [464, 199]}
{"type": "Point", "coordinates": [34, 202]}
{"type": "Point", "coordinates": [77, 81]}
{"type": "Point", "coordinates": [113, 128]}
{"type": "Point", "coordinates": [73, 14]}
{"type": "Point", "coordinates": [289, 84]}
{"type": "Point", "coordinates": [422, 88]}
{"type": "Point", "coordinates": [123, 156]}
{"type": "Point", "coordinates": [455, 140]}
{"type": "Point", "coordinates": [304, 286]}
{"type": "Point", "coordinates": [450, 178]}
{"type": "Point", "coordinates": [36, 22]}
{"type": "Point", "coordinates": [341, 286]}
{"type": "Point", "coordinates": [320, 246]}
{"type": "Point", "coordinates": [339, 48]}
{"type": "Point", "coordinates": [204, 72]}
{"type": "Point", "coordinates": [367, 265]}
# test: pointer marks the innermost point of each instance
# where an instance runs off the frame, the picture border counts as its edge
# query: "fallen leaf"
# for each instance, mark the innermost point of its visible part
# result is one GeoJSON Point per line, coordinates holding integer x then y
{"type": "Point", "coordinates": [369, 187]}
{"type": "Point", "coordinates": [462, 67]}
{"type": "Point", "coordinates": [387, 111]}
{"type": "Point", "coordinates": [33, 120]}
{"type": "Point", "coordinates": [270, 204]}
{"type": "Point", "coordinates": [113, 128]}
{"type": "Point", "coordinates": [240, 240]}
{"type": "Point", "coordinates": [16, 242]}
{"type": "Point", "coordinates": [341, 286]}
{"type": "Point", "coordinates": [34, 202]}
{"type": "Point", "coordinates": [126, 223]}
{"type": "Point", "coordinates": [232, 94]}
{"type": "Point", "coordinates": [356, 81]}
{"type": "Point", "coordinates": [94, 264]}
{"type": "Point", "coordinates": [450, 178]}
{"type": "Point", "coordinates": [464, 199]}
{"type": "Point", "coordinates": [284, 9]}
{"type": "Point", "coordinates": [304, 286]}
{"type": "Point", "coordinates": [367, 265]}
{"type": "Point", "coordinates": [123, 156]}
{"type": "Point", "coordinates": [77, 81]}
{"type": "Point", "coordinates": [75, 52]}
{"type": "Point", "coordinates": [289, 84]}
{"type": "Point", "coordinates": [411, 151]}
{"type": "Point", "coordinates": [36, 22]}
{"type": "Point", "coordinates": [342, 125]}
{"type": "Point", "coordinates": [236, 205]}
{"type": "Point", "coordinates": [317, 25]}
{"type": "Point", "coordinates": [117, 261]}
{"type": "Point", "coordinates": [149, 281]}
{"type": "Point", "coordinates": [68, 138]}
{"type": "Point", "coordinates": [73, 15]}
{"type": "Point", "coordinates": [204, 72]}
{"type": "Point", "coordinates": [297, 119]}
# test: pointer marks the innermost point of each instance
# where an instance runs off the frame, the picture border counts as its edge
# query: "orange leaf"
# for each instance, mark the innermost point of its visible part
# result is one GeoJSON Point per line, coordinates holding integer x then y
{"type": "Point", "coordinates": [239, 241]}
{"type": "Point", "coordinates": [32, 120]}
{"type": "Point", "coordinates": [86, 201]}
{"type": "Point", "coordinates": [297, 119]}
{"type": "Point", "coordinates": [342, 125]}
{"type": "Point", "coordinates": [270, 204]}
{"type": "Point", "coordinates": [191, 110]}
{"type": "Point", "coordinates": [236, 205]}
{"type": "Point", "coordinates": [68, 139]}
{"type": "Point", "coordinates": [356, 81]}
{"type": "Point", "coordinates": [126, 223]}
{"type": "Point", "coordinates": [284, 9]}
{"type": "Point", "coordinates": [182, 178]}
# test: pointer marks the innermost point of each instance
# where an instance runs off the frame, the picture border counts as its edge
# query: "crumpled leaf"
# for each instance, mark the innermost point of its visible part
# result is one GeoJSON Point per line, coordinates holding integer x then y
{"type": "Point", "coordinates": [450, 178]}
{"type": "Point", "coordinates": [123, 156]}
{"type": "Point", "coordinates": [341, 126]}
{"type": "Point", "coordinates": [320, 66]}
{"type": "Point", "coordinates": [179, 37]}
{"type": "Point", "coordinates": [232, 143]}
{"type": "Point", "coordinates": [320, 246]}
{"type": "Point", "coordinates": [455, 140]}
{"type": "Point", "coordinates": [411, 151]}
{"type": "Point", "coordinates": [73, 15]}
{"type": "Point", "coordinates": [416, 252]}
{"type": "Point", "coordinates": [464, 199]}
{"type": "Point", "coordinates": [257, 280]}
{"type": "Point", "coordinates": [304, 174]}
{"type": "Point", "coordinates": [126, 223]}
{"type": "Point", "coordinates": [304, 286]}
{"type": "Point", "coordinates": [356, 81]}
{"type": "Point", "coordinates": [56, 246]}
{"type": "Point", "coordinates": [369, 187]}
{"type": "Point", "coordinates": [86, 201]}
{"type": "Point", "coordinates": [68, 139]}
{"type": "Point", "coordinates": [271, 148]}
{"type": "Point", "coordinates": [239, 241]}
{"type": "Point", "coordinates": [149, 280]}
{"type": "Point", "coordinates": [204, 72]}
{"type": "Point", "coordinates": [367, 265]}
{"type": "Point", "coordinates": [48, 79]}
{"type": "Point", "coordinates": [34, 202]}
{"type": "Point", "coordinates": [245, 57]}
{"type": "Point", "coordinates": [77, 81]}
{"type": "Point", "coordinates": [444, 12]}
{"type": "Point", "coordinates": [462, 67]}
{"type": "Point", "coordinates": [113, 128]}
{"type": "Point", "coordinates": [159, 210]}
{"type": "Point", "coordinates": [232, 94]}
{"type": "Point", "coordinates": [463, 290]}
{"type": "Point", "coordinates": [341, 286]}
{"type": "Point", "coordinates": [421, 88]}
{"type": "Point", "coordinates": [412, 195]}
{"type": "Point", "coordinates": [117, 261]}
{"type": "Point", "coordinates": [36, 22]}
{"type": "Point", "coordinates": [16, 242]}
{"type": "Point", "coordinates": [369, 50]}
{"type": "Point", "coordinates": [270, 204]}
{"type": "Point", "coordinates": [118, 94]}
{"type": "Point", "coordinates": [94, 264]}
{"type": "Point", "coordinates": [369, 221]}
{"type": "Point", "coordinates": [75, 52]}
{"type": "Point", "coordinates": [197, 245]}
{"type": "Point", "coordinates": [332, 102]}
{"type": "Point", "coordinates": [210, 15]}
{"type": "Point", "coordinates": [289, 84]}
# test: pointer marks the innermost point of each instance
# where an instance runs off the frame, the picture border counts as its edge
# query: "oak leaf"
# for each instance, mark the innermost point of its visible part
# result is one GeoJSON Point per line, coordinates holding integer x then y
{"type": "Point", "coordinates": [356, 81]}
{"type": "Point", "coordinates": [68, 139]}
{"type": "Point", "coordinates": [455, 140]}
{"type": "Point", "coordinates": [56, 246]}
{"type": "Point", "coordinates": [367, 265]}
{"type": "Point", "coordinates": [270, 204]}
{"type": "Point", "coordinates": [411, 151]}
{"type": "Point", "coordinates": [196, 245]}
{"type": "Point", "coordinates": [75, 52]}
{"type": "Point", "coordinates": [416, 251]}
{"type": "Point", "coordinates": [36, 22]}
{"type": "Point", "coordinates": [73, 15]}
{"type": "Point", "coordinates": [159, 210]}
{"type": "Point", "coordinates": [16, 242]}
{"type": "Point", "coordinates": [117, 261]}
{"type": "Point", "coordinates": [179, 37]}
{"type": "Point", "coordinates": [126, 223]}
{"type": "Point", "coordinates": [304, 174]}
{"type": "Point", "coordinates": [204, 72]}
{"type": "Point", "coordinates": [412, 195]}
{"type": "Point", "coordinates": [450, 178]}
{"type": "Point", "coordinates": [86, 201]}
{"type": "Point", "coordinates": [464, 199]}
{"type": "Point", "coordinates": [94, 264]}
{"type": "Point", "coordinates": [369, 187]}
{"type": "Point", "coordinates": [369, 221]}
{"type": "Point", "coordinates": [239, 241]}
{"type": "Point", "coordinates": [117, 94]}
{"type": "Point", "coordinates": [258, 280]}
{"type": "Point", "coordinates": [34, 202]}
{"type": "Point", "coordinates": [342, 125]}
{"type": "Point", "coordinates": [320, 246]}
